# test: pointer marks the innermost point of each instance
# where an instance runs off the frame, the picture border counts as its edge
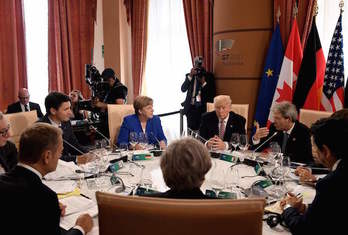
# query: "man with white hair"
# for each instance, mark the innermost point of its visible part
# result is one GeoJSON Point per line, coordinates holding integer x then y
{"type": "Point", "coordinates": [292, 136]}
{"type": "Point", "coordinates": [8, 151]}
{"type": "Point", "coordinates": [217, 126]}
{"type": "Point", "coordinates": [23, 105]}
{"type": "Point", "coordinates": [200, 87]}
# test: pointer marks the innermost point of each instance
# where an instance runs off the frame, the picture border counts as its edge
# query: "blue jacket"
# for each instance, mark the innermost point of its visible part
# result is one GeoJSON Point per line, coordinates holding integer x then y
{"type": "Point", "coordinates": [153, 130]}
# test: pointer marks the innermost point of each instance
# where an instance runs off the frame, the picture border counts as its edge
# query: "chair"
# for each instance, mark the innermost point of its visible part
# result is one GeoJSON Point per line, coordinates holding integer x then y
{"type": "Point", "coordinates": [18, 122]}
{"type": "Point", "coordinates": [116, 113]}
{"type": "Point", "coordinates": [124, 215]}
{"type": "Point", "coordinates": [241, 109]}
{"type": "Point", "coordinates": [308, 117]}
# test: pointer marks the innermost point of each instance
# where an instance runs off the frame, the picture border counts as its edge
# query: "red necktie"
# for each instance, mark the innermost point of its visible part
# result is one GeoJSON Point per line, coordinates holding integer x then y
{"type": "Point", "coordinates": [222, 129]}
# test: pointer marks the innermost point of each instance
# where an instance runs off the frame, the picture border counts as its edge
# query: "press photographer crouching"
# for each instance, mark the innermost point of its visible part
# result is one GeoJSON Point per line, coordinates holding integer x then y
{"type": "Point", "coordinates": [200, 87]}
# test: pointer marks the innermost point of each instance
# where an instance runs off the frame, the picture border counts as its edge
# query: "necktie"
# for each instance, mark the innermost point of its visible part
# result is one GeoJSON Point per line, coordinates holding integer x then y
{"type": "Point", "coordinates": [26, 108]}
{"type": "Point", "coordinates": [222, 129]}
{"type": "Point", "coordinates": [285, 140]}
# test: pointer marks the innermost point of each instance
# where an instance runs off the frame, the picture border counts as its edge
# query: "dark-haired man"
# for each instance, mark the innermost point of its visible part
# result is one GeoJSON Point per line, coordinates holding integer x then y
{"type": "Point", "coordinates": [325, 214]}
{"type": "Point", "coordinates": [28, 205]}
{"type": "Point", "coordinates": [58, 114]}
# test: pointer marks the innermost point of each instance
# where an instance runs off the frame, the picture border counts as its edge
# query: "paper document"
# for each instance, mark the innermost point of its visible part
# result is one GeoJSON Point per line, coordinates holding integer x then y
{"type": "Point", "coordinates": [68, 221]}
{"type": "Point", "coordinates": [61, 187]}
{"type": "Point", "coordinates": [76, 204]}
{"type": "Point", "coordinates": [65, 170]}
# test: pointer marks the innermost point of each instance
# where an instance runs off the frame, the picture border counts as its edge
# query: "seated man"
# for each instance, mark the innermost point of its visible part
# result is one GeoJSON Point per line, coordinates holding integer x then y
{"type": "Point", "coordinates": [8, 151]}
{"type": "Point", "coordinates": [292, 136]}
{"type": "Point", "coordinates": [184, 165]}
{"type": "Point", "coordinates": [29, 206]}
{"type": "Point", "coordinates": [143, 122]}
{"type": "Point", "coordinates": [324, 215]}
{"type": "Point", "coordinates": [58, 114]}
{"type": "Point", "coordinates": [217, 126]}
{"type": "Point", "coordinates": [23, 105]}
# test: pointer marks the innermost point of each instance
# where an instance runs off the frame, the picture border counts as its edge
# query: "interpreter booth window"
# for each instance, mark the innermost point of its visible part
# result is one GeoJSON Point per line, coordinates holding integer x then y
{"type": "Point", "coordinates": [168, 59]}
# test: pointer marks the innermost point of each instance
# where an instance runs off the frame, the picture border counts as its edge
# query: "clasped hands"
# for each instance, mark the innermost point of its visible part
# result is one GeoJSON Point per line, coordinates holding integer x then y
{"type": "Point", "coordinates": [215, 143]}
{"type": "Point", "coordinates": [294, 201]}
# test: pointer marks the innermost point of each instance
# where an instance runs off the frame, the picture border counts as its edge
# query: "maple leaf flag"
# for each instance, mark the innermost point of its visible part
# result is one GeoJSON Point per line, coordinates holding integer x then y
{"type": "Point", "coordinates": [289, 71]}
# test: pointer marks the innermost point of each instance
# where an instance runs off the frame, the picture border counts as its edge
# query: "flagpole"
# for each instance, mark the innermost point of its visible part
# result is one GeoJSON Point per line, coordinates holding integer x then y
{"type": "Point", "coordinates": [315, 8]}
{"type": "Point", "coordinates": [278, 14]}
{"type": "Point", "coordinates": [295, 10]}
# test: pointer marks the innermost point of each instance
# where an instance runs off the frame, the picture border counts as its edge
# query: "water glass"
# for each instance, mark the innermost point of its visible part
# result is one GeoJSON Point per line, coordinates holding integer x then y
{"type": "Point", "coordinates": [133, 139]}
{"type": "Point", "coordinates": [235, 140]}
{"type": "Point", "coordinates": [243, 142]}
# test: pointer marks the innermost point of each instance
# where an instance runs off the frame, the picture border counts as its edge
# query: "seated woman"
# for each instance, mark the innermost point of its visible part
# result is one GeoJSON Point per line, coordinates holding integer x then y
{"type": "Point", "coordinates": [76, 96]}
{"type": "Point", "coordinates": [142, 122]}
{"type": "Point", "coordinates": [8, 151]}
{"type": "Point", "coordinates": [184, 165]}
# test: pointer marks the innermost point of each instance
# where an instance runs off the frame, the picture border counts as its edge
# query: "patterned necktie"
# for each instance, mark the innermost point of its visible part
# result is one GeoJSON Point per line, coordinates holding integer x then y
{"type": "Point", "coordinates": [285, 140]}
{"type": "Point", "coordinates": [222, 129]}
{"type": "Point", "coordinates": [26, 108]}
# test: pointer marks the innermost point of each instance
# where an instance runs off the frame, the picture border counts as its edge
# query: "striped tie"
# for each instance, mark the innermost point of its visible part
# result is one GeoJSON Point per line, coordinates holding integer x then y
{"type": "Point", "coordinates": [222, 129]}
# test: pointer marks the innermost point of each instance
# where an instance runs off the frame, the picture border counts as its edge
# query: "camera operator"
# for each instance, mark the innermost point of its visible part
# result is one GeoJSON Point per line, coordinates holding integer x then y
{"type": "Point", "coordinates": [116, 93]}
{"type": "Point", "coordinates": [200, 87]}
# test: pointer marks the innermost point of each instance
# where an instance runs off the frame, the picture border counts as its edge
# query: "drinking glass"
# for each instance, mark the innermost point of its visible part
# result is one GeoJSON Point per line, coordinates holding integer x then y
{"type": "Point", "coordinates": [235, 140]}
{"type": "Point", "coordinates": [243, 142]}
{"type": "Point", "coordinates": [142, 140]}
{"type": "Point", "coordinates": [133, 139]}
{"type": "Point", "coordinates": [231, 178]}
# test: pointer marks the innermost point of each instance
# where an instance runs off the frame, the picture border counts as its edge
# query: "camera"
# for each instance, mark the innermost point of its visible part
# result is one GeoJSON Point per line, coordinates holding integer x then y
{"type": "Point", "coordinates": [95, 82]}
{"type": "Point", "coordinates": [198, 63]}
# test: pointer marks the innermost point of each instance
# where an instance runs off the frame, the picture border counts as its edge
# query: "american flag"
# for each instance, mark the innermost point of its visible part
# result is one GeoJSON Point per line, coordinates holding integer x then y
{"type": "Point", "coordinates": [333, 91]}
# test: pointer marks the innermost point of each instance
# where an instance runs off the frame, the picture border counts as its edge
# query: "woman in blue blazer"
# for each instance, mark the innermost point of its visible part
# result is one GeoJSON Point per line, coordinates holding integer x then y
{"type": "Point", "coordinates": [143, 121]}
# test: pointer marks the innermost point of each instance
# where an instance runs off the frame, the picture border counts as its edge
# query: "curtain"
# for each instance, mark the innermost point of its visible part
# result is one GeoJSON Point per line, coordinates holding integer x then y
{"type": "Point", "coordinates": [137, 14]}
{"type": "Point", "coordinates": [199, 26]}
{"type": "Point", "coordinates": [304, 18]}
{"type": "Point", "coordinates": [13, 71]}
{"type": "Point", "coordinates": [70, 43]}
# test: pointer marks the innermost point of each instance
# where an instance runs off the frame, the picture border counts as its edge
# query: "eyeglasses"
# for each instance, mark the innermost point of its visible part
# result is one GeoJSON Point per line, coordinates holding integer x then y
{"type": "Point", "coordinates": [4, 132]}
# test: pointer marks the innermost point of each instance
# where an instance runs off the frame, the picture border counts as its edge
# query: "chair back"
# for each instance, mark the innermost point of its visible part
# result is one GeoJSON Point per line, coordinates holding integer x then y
{"type": "Point", "coordinates": [308, 117]}
{"type": "Point", "coordinates": [20, 121]}
{"type": "Point", "coordinates": [241, 109]}
{"type": "Point", "coordinates": [124, 215]}
{"type": "Point", "coordinates": [116, 113]}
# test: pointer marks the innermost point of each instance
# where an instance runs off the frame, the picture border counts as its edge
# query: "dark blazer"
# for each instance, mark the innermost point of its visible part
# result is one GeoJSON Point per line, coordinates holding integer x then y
{"type": "Point", "coordinates": [8, 156]}
{"type": "Point", "coordinates": [16, 108]}
{"type": "Point", "coordinates": [131, 123]}
{"type": "Point", "coordinates": [195, 193]}
{"type": "Point", "coordinates": [207, 92]}
{"type": "Point", "coordinates": [69, 153]}
{"type": "Point", "coordinates": [298, 147]}
{"type": "Point", "coordinates": [29, 206]}
{"type": "Point", "coordinates": [210, 125]}
{"type": "Point", "coordinates": [326, 213]}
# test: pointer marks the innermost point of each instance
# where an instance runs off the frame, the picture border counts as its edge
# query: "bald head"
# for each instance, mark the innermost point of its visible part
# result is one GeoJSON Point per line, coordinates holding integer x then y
{"type": "Point", "coordinates": [23, 96]}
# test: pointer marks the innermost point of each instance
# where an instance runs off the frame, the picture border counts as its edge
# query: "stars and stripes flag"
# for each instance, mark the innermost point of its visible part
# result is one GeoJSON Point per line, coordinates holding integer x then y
{"type": "Point", "coordinates": [333, 91]}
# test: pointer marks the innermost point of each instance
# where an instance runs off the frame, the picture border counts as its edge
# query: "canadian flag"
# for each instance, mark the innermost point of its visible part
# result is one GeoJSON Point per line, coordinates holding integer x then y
{"type": "Point", "coordinates": [289, 71]}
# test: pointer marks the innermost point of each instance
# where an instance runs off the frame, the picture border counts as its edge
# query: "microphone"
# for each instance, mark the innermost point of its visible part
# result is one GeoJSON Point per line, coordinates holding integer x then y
{"type": "Point", "coordinates": [115, 180]}
{"type": "Point", "coordinates": [89, 172]}
{"type": "Point", "coordinates": [158, 142]}
{"type": "Point", "coordinates": [72, 146]}
{"type": "Point", "coordinates": [197, 136]}
{"type": "Point", "coordinates": [262, 144]}
{"type": "Point", "coordinates": [104, 137]}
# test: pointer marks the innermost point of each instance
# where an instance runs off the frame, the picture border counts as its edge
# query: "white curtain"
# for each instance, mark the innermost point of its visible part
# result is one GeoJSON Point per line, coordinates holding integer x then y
{"type": "Point", "coordinates": [328, 14]}
{"type": "Point", "coordinates": [36, 35]}
{"type": "Point", "coordinates": [167, 61]}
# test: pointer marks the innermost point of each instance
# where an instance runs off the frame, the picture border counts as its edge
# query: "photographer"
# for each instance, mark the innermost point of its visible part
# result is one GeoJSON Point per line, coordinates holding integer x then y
{"type": "Point", "coordinates": [200, 87]}
{"type": "Point", "coordinates": [116, 93]}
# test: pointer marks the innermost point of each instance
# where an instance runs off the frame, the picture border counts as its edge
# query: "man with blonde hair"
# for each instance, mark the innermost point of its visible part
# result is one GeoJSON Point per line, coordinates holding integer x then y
{"type": "Point", "coordinates": [217, 126]}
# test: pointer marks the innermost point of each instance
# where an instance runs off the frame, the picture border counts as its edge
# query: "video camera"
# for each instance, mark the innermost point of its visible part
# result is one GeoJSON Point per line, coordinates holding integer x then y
{"type": "Point", "coordinates": [95, 82]}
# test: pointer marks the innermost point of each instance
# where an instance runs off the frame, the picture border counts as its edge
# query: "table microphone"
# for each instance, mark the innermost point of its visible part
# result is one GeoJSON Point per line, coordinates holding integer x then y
{"type": "Point", "coordinates": [197, 136]}
{"type": "Point", "coordinates": [104, 137]}
{"type": "Point", "coordinates": [72, 146]}
{"type": "Point", "coordinates": [158, 142]}
{"type": "Point", "coordinates": [262, 144]}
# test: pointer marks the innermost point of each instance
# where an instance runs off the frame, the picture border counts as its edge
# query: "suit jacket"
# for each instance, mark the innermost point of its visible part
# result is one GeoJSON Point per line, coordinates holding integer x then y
{"type": "Point", "coordinates": [8, 156]}
{"type": "Point", "coordinates": [210, 125]}
{"type": "Point", "coordinates": [131, 123]}
{"type": "Point", "coordinates": [326, 213]}
{"type": "Point", "coordinates": [16, 108]}
{"type": "Point", "coordinates": [298, 147]}
{"type": "Point", "coordinates": [29, 206]}
{"type": "Point", "coordinates": [207, 92]}
{"type": "Point", "coordinates": [195, 193]}
{"type": "Point", "coordinates": [69, 153]}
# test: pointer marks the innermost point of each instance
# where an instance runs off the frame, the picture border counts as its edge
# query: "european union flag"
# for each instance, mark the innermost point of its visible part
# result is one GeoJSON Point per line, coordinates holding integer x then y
{"type": "Point", "coordinates": [270, 77]}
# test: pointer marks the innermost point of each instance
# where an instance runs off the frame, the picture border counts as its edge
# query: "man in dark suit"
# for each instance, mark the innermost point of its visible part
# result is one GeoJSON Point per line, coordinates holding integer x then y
{"type": "Point", "coordinates": [200, 88]}
{"type": "Point", "coordinates": [28, 205]}
{"type": "Point", "coordinates": [23, 105]}
{"type": "Point", "coordinates": [292, 136]}
{"type": "Point", "coordinates": [325, 214]}
{"type": "Point", "coordinates": [217, 126]}
{"type": "Point", "coordinates": [58, 114]}
{"type": "Point", "coordinates": [8, 151]}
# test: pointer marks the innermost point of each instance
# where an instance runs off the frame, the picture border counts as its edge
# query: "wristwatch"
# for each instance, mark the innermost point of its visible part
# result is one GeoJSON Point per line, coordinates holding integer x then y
{"type": "Point", "coordinates": [287, 206]}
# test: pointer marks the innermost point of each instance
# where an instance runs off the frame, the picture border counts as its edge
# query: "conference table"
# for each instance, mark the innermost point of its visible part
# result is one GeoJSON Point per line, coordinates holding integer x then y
{"type": "Point", "coordinates": [148, 174]}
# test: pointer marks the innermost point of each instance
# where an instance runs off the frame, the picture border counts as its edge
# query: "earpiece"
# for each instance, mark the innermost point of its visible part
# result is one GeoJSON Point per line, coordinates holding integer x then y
{"type": "Point", "coordinates": [273, 219]}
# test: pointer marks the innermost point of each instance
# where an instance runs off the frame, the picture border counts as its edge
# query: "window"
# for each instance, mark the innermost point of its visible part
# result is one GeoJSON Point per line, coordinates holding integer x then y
{"type": "Point", "coordinates": [36, 33]}
{"type": "Point", "coordinates": [167, 61]}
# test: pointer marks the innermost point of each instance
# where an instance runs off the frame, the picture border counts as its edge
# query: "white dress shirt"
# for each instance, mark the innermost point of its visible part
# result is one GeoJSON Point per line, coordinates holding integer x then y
{"type": "Point", "coordinates": [23, 107]}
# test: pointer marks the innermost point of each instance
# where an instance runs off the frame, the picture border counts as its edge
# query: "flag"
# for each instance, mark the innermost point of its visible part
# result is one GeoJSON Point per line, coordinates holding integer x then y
{"type": "Point", "coordinates": [346, 95]}
{"type": "Point", "coordinates": [289, 71]}
{"type": "Point", "coordinates": [333, 91]}
{"type": "Point", "coordinates": [311, 76]}
{"type": "Point", "coordinates": [270, 77]}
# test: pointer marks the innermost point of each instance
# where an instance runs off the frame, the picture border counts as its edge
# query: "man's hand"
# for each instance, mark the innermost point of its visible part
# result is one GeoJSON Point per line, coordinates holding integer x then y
{"type": "Point", "coordinates": [83, 159]}
{"type": "Point", "coordinates": [260, 132]}
{"type": "Point", "coordinates": [85, 221]}
{"type": "Point", "coordinates": [193, 72]}
{"type": "Point", "coordinates": [294, 202]}
{"type": "Point", "coordinates": [305, 175]}
{"type": "Point", "coordinates": [62, 208]}
{"type": "Point", "coordinates": [216, 143]}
